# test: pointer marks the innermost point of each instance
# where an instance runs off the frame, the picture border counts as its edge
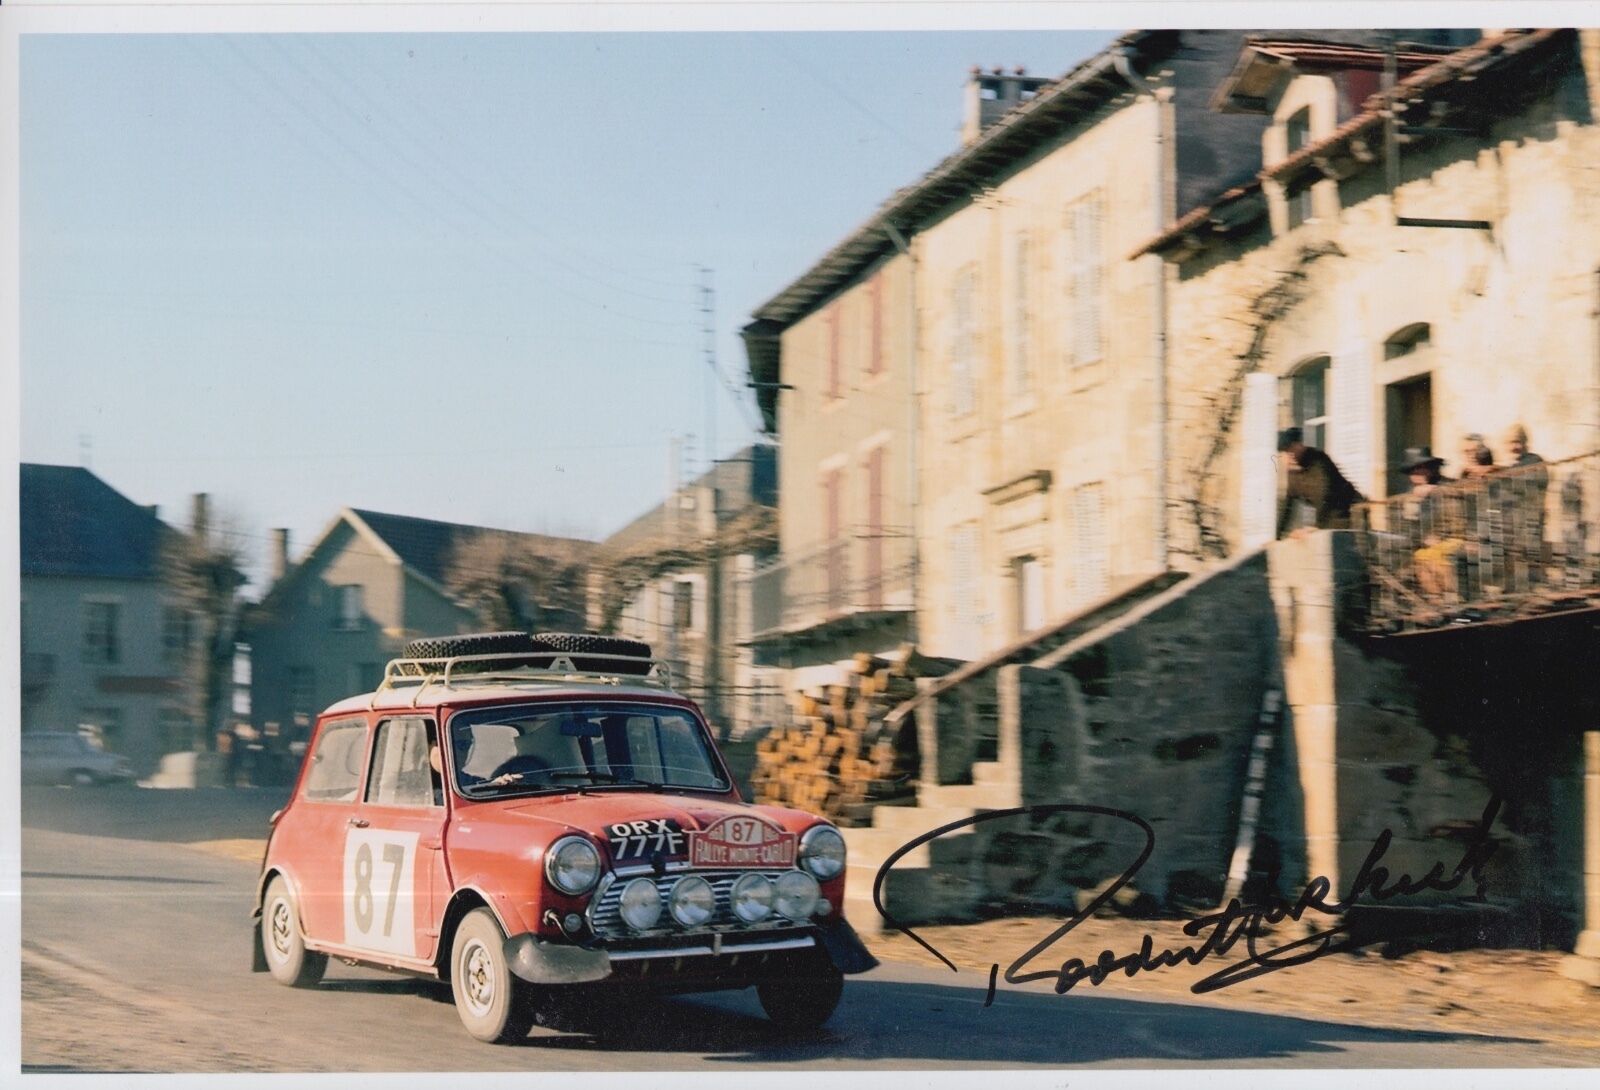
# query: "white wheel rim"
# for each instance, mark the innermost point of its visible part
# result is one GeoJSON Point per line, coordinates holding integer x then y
{"type": "Point", "coordinates": [280, 929]}
{"type": "Point", "coordinates": [477, 978]}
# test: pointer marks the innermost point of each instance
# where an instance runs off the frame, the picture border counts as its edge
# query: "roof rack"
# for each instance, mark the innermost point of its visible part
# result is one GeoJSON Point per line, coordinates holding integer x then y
{"type": "Point", "coordinates": [521, 668]}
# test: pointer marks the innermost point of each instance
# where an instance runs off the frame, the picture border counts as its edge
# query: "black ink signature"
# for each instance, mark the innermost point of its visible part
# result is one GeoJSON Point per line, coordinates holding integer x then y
{"type": "Point", "coordinates": [1223, 929]}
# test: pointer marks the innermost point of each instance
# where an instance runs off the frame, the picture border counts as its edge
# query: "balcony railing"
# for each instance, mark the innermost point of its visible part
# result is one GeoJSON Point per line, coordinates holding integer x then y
{"type": "Point", "coordinates": [862, 572]}
{"type": "Point", "coordinates": [1520, 542]}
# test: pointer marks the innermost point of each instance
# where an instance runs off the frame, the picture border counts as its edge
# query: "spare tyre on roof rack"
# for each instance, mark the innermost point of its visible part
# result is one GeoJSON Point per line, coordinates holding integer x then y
{"type": "Point", "coordinates": [473, 643]}
{"type": "Point", "coordinates": [582, 644]}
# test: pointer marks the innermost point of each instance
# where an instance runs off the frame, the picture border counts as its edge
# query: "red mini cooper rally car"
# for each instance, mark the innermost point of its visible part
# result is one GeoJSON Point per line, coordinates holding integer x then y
{"type": "Point", "coordinates": [524, 816]}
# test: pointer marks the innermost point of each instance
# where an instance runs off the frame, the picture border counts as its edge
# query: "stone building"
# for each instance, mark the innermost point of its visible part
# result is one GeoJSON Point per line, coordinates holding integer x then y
{"type": "Point", "coordinates": [969, 390]}
{"type": "Point", "coordinates": [1391, 288]}
{"type": "Point", "coordinates": [1385, 303]}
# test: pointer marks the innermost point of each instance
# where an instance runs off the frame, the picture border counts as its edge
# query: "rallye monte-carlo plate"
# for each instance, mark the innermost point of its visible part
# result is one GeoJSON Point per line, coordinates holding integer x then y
{"type": "Point", "coordinates": [642, 839]}
{"type": "Point", "coordinates": [741, 840]}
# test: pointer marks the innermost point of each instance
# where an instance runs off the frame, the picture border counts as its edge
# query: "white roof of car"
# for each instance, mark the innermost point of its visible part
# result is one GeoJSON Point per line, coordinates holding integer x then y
{"type": "Point", "coordinates": [428, 696]}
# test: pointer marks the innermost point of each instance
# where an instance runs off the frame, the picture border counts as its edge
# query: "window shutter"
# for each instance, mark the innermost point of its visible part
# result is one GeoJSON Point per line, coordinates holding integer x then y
{"type": "Point", "coordinates": [1258, 471]}
{"type": "Point", "coordinates": [1350, 426]}
{"type": "Point", "coordinates": [964, 348]}
{"type": "Point", "coordinates": [965, 637]}
{"type": "Point", "coordinates": [1091, 562]}
{"type": "Point", "coordinates": [1020, 333]}
{"type": "Point", "coordinates": [875, 358]}
{"type": "Point", "coordinates": [834, 363]}
{"type": "Point", "coordinates": [1086, 280]}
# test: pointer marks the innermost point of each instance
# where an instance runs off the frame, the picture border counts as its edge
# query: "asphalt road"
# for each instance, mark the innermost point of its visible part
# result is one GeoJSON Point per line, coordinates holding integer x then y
{"type": "Point", "coordinates": [135, 957]}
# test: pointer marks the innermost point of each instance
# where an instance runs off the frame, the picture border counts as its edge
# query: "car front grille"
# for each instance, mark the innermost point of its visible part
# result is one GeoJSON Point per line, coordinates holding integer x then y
{"type": "Point", "coordinates": [605, 917]}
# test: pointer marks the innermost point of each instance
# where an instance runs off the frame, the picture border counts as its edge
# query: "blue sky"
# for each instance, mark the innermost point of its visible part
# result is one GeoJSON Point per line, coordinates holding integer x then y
{"type": "Point", "coordinates": [443, 275]}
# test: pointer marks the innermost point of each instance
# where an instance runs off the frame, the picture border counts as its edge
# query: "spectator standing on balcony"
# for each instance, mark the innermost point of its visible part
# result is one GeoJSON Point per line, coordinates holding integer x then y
{"type": "Point", "coordinates": [1481, 510]}
{"type": "Point", "coordinates": [1517, 444]}
{"type": "Point", "coordinates": [1477, 460]}
{"type": "Point", "coordinates": [1526, 481]}
{"type": "Point", "coordinates": [1314, 480]}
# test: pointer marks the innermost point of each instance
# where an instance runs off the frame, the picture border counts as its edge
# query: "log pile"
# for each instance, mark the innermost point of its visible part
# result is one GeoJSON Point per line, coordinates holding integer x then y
{"type": "Point", "coordinates": [838, 758]}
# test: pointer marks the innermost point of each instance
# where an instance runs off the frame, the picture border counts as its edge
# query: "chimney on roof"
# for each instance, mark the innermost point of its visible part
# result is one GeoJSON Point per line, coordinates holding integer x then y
{"type": "Point", "coordinates": [990, 95]}
{"type": "Point", "coordinates": [200, 516]}
{"type": "Point", "coordinates": [280, 554]}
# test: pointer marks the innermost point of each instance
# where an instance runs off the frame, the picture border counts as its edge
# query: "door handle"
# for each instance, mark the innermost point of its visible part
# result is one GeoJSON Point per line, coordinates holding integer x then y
{"type": "Point", "coordinates": [358, 823]}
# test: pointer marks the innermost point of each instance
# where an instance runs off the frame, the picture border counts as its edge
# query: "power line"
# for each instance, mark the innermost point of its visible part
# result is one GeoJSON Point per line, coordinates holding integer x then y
{"type": "Point", "coordinates": [393, 180]}
{"type": "Point", "coordinates": [467, 185]}
{"type": "Point", "coordinates": [445, 134]}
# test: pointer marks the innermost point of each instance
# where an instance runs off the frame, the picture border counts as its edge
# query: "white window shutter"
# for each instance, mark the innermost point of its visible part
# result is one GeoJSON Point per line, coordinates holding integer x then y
{"type": "Point", "coordinates": [1258, 471]}
{"type": "Point", "coordinates": [964, 597]}
{"type": "Point", "coordinates": [1350, 414]}
{"type": "Point", "coordinates": [964, 342]}
{"type": "Point", "coordinates": [1091, 562]}
{"type": "Point", "coordinates": [1086, 280]}
{"type": "Point", "coordinates": [1020, 333]}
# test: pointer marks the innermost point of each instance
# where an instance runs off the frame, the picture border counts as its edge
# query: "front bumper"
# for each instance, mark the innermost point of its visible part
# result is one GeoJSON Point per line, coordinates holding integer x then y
{"type": "Point", "coordinates": [728, 959]}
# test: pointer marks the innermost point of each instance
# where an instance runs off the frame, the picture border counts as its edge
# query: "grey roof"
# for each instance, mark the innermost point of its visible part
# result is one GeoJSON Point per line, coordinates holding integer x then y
{"type": "Point", "coordinates": [425, 545]}
{"type": "Point", "coordinates": [747, 478]}
{"type": "Point", "coordinates": [72, 523]}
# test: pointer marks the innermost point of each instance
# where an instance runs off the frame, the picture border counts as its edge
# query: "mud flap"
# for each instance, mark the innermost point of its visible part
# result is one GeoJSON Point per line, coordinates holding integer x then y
{"type": "Point", "coordinates": [551, 963]}
{"type": "Point", "coordinates": [258, 956]}
{"type": "Point", "coordinates": [845, 948]}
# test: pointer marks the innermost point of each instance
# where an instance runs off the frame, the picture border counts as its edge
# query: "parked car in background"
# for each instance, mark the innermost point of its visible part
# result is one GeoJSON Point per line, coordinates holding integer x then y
{"type": "Point", "coordinates": [526, 817]}
{"type": "Point", "coordinates": [64, 757]}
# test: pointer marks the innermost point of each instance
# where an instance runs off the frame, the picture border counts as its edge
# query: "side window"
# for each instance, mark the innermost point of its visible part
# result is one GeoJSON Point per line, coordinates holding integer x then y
{"type": "Point", "coordinates": [335, 770]}
{"type": "Point", "coordinates": [402, 774]}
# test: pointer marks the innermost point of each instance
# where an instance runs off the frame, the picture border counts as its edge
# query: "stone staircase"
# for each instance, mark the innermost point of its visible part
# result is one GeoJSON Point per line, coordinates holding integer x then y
{"type": "Point", "coordinates": [933, 880]}
{"type": "Point", "coordinates": [970, 765]}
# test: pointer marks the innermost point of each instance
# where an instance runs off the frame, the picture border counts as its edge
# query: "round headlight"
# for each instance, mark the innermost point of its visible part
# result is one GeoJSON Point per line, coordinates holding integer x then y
{"type": "Point", "coordinates": [822, 852]}
{"type": "Point", "coordinates": [572, 865]}
{"type": "Point", "coordinates": [692, 902]}
{"type": "Point", "coordinates": [640, 906]}
{"type": "Point", "coordinates": [751, 897]}
{"type": "Point", "coordinates": [797, 895]}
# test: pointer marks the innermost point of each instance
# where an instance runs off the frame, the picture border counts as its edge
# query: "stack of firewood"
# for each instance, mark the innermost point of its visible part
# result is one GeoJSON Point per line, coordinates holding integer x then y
{"type": "Point", "coordinates": [838, 758]}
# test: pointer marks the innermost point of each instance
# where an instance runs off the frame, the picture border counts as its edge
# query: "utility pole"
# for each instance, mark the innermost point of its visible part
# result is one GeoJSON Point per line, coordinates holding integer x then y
{"type": "Point", "coordinates": [712, 682]}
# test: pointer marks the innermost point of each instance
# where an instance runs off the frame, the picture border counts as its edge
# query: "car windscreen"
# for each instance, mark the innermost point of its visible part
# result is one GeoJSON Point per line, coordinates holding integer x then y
{"type": "Point", "coordinates": [545, 747]}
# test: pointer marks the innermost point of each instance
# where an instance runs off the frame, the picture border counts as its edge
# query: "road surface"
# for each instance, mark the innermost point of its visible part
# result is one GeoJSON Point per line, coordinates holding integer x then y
{"type": "Point", "coordinates": [135, 958]}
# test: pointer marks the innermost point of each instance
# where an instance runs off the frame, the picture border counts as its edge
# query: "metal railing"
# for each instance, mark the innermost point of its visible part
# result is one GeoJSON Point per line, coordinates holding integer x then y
{"type": "Point", "coordinates": [1518, 542]}
{"type": "Point", "coordinates": [866, 571]}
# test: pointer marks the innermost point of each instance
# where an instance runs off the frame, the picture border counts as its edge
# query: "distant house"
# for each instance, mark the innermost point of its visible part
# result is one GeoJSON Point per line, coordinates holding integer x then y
{"type": "Point", "coordinates": [679, 578]}
{"type": "Point", "coordinates": [104, 642]}
{"type": "Point", "coordinates": [372, 581]}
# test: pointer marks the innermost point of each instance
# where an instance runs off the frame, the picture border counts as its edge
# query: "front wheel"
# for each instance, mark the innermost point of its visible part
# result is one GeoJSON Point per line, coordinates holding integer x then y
{"type": "Point", "coordinates": [802, 1002]}
{"type": "Point", "coordinates": [288, 960]}
{"type": "Point", "coordinates": [492, 1002]}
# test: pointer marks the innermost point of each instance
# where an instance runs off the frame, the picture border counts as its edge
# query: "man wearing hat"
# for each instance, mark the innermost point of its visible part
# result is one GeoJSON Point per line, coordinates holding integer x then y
{"type": "Point", "coordinates": [1314, 480]}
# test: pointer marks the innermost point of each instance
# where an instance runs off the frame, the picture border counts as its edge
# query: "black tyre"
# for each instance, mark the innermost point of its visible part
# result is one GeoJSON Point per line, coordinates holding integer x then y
{"type": "Point", "coordinates": [474, 643]}
{"type": "Point", "coordinates": [288, 960]}
{"type": "Point", "coordinates": [588, 643]}
{"type": "Point", "coordinates": [801, 1002]}
{"type": "Point", "coordinates": [493, 1004]}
